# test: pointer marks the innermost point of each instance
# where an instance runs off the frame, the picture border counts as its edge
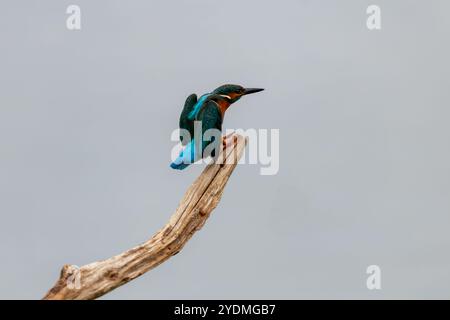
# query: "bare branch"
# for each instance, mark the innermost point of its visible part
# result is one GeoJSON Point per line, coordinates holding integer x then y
{"type": "Point", "coordinates": [98, 278]}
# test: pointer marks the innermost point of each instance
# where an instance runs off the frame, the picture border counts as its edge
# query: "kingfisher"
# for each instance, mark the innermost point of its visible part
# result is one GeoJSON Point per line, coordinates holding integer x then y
{"type": "Point", "coordinates": [210, 109]}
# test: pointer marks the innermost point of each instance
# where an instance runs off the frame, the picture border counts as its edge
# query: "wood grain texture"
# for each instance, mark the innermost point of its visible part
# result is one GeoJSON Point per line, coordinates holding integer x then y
{"type": "Point", "coordinates": [98, 278]}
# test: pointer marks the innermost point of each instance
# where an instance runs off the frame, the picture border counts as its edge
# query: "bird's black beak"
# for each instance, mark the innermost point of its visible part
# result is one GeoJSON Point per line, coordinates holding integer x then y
{"type": "Point", "coordinates": [251, 90]}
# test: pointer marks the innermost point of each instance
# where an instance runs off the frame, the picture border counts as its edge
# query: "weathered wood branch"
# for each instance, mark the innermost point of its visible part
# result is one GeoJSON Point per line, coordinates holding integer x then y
{"type": "Point", "coordinates": [98, 278]}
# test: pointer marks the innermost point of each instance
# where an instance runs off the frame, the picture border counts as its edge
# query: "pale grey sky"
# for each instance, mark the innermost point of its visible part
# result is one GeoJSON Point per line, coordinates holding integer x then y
{"type": "Point", "coordinates": [86, 118]}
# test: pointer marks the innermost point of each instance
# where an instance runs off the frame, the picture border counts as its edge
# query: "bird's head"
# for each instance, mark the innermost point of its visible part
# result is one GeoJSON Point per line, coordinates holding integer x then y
{"type": "Point", "coordinates": [233, 92]}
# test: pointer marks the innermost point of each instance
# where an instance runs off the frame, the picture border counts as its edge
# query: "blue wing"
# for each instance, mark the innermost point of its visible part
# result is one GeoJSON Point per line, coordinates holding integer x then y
{"type": "Point", "coordinates": [185, 123]}
{"type": "Point", "coordinates": [208, 113]}
{"type": "Point", "coordinates": [193, 114]}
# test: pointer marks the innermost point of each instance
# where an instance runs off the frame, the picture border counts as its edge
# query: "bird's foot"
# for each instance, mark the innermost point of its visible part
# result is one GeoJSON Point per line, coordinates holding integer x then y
{"type": "Point", "coordinates": [228, 140]}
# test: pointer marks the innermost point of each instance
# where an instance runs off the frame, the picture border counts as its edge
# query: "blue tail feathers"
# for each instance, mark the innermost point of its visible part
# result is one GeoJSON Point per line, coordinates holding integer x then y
{"type": "Point", "coordinates": [185, 158]}
{"type": "Point", "coordinates": [180, 166]}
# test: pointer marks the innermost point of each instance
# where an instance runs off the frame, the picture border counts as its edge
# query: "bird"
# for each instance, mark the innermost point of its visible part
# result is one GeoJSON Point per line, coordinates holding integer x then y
{"type": "Point", "coordinates": [210, 109]}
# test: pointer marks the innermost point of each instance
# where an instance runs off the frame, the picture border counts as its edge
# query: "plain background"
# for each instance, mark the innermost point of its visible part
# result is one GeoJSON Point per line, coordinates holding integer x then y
{"type": "Point", "coordinates": [86, 118]}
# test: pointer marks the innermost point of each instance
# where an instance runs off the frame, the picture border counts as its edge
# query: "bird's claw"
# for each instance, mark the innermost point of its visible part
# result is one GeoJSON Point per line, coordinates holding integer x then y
{"type": "Point", "coordinates": [226, 141]}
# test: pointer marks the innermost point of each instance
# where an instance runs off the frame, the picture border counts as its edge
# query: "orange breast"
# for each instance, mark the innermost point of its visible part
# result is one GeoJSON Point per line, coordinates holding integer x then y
{"type": "Point", "coordinates": [223, 106]}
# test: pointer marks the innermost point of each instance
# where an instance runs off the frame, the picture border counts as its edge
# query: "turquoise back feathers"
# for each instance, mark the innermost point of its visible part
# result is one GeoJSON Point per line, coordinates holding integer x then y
{"type": "Point", "coordinates": [198, 106]}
